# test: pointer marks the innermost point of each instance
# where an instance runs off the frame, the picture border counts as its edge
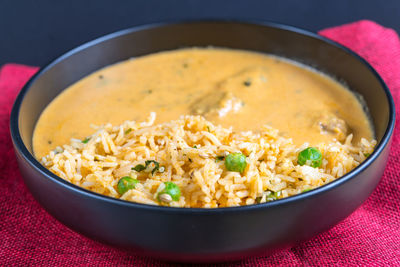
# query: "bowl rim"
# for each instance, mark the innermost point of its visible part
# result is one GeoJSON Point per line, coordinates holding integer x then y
{"type": "Point", "coordinates": [27, 156]}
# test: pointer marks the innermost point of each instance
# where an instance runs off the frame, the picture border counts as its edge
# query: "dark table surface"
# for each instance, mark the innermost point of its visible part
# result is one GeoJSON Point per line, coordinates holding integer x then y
{"type": "Point", "coordinates": [34, 32]}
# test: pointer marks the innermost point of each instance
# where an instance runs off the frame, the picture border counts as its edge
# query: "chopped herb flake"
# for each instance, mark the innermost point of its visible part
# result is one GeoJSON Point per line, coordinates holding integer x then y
{"type": "Point", "coordinates": [128, 131]}
{"type": "Point", "coordinates": [139, 167]}
{"type": "Point", "coordinates": [306, 190]}
{"type": "Point", "coordinates": [194, 146]}
{"type": "Point", "coordinates": [208, 128]}
{"type": "Point", "coordinates": [367, 155]}
{"type": "Point", "coordinates": [152, 166]}
{"type": "Point", "coordinates": [273, 196]}
{"type": "Point", "coordinates": [219, 158]}
{"type": "Point", "coordinates": [86, 140]}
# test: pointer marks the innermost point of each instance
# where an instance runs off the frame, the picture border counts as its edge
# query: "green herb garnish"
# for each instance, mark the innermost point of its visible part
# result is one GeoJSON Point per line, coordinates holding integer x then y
{"type": "Point", "coordinates": [86, 140]}
{"type": "Point", "coordinates": [273, 196]}
{"type": "Point", "coordinates": [128, 131]}
{"type": "Point", "coordinates": [150, 166]}
{"type": "Point", "coordinates": [139, 168]}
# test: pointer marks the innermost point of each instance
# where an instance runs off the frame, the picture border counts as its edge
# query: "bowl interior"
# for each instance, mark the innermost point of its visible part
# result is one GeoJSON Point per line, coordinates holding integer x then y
{"type": "Point", "coordinates": [269, 38]}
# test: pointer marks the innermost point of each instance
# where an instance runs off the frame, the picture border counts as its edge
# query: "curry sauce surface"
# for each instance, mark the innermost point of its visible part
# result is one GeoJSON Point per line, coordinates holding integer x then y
{"type": "Point", "coordinates": [234, 88]}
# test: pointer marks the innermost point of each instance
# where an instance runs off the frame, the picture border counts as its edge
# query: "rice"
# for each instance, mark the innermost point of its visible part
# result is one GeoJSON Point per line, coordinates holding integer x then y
{"type": "Point", "coordinates": [189, 152]}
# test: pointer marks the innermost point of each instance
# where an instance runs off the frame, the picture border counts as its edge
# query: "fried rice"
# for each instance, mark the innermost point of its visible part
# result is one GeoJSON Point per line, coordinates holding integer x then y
{"type": "Point", "coordinates": [190, 153]}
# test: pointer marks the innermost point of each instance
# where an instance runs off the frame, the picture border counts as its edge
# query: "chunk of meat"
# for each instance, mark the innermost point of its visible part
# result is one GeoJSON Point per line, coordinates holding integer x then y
{"type": "Point", "coordinates": [218, 103]}
{"type": "Point", "coordinates": [223, 99]}
{"type": "Point", "coordinates": [331, 124]}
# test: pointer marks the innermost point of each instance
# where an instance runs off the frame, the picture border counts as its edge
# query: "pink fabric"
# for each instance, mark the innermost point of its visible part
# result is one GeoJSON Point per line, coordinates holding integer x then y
{"type": "Point", "coordinates": [370, 236]}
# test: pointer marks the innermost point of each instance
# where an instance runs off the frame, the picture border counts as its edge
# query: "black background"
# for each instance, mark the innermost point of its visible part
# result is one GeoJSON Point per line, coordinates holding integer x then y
{"type": "Point", "coordinates": [36, 31]}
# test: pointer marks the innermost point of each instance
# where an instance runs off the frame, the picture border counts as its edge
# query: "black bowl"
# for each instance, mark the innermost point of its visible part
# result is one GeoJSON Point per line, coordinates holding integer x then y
{"type": "Point", "coordinates": [184, 234]}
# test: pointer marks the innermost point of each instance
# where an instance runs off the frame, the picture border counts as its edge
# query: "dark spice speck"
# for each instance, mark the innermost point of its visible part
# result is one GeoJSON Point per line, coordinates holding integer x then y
{"type": "Point", "coordinates": [247, 83]}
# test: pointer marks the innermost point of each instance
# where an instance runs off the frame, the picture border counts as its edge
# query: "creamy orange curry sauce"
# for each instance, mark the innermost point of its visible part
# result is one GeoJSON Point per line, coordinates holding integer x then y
{"type": "Point", "coordinates": [234, 88]}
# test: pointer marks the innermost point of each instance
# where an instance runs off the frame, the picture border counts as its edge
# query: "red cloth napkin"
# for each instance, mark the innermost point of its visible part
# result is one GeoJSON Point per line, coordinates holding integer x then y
{"type": "Point", "coordinates": [370, 236]}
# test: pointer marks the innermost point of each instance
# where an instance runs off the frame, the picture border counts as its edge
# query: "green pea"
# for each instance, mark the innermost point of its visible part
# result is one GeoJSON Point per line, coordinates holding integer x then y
{"type": "Point", "coordinates": [310, 156]}
{"type": "Point", "coordinates": [235, 162]}
{"type": "Point", "coordinates": [171, 190]}
{"type": "Point", "coordinates": [126, 183]}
